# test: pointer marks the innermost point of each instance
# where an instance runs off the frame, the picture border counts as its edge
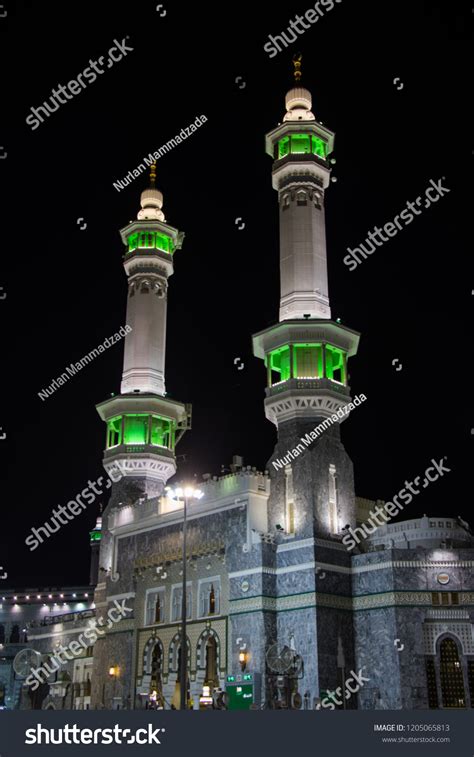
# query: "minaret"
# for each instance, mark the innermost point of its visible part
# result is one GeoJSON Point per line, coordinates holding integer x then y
{"type": "Point", "coordinates": [143, 424]}
{"type": "Point", "coordinates": [305, 353]}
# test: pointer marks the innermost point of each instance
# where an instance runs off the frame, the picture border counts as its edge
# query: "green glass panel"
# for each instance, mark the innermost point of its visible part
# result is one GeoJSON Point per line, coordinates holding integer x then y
{"type": "Point", "coordinates": [319, 146]}
{"type": "Point", "coordinates": [161, 431]}
{"type": "Point", "coordinates": [283, 147]}
{"type": "Point", "coordinates": [114, 431]}
{"type": "Point", "coordinates": [136, 429]}
{"type": "Point", "coordinates": [132, 242]}
{"type": "Point", "coordinates": [300, 143]}
{"type": "Point", "coordinates": [334, 363]}
{"type": "Point", "coordinates": [280, 362]}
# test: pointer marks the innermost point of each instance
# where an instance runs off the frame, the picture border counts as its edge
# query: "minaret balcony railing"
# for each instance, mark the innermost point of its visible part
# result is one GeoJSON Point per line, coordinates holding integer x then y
{"type": "Point", "coordinates": [307, 385]}
{"type": "Point", "coordinates": [142, 449]}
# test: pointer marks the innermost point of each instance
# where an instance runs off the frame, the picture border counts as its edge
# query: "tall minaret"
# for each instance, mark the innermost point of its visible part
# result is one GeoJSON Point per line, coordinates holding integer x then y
{"type": "Point", "coordinates": [143, 425]}
{"type": "Point", "coordinates": [306, 352]}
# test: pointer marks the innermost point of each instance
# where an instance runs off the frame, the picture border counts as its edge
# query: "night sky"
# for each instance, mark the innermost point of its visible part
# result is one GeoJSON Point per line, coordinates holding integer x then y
{"type": "Point", "coordinates": [66, 288]}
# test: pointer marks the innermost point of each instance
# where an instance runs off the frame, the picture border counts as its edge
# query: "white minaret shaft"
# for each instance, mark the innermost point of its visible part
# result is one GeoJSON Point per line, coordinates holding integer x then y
{"type": "Point", "coordinates": [145, 344]}
{"type": "Point", "coordinates": [300, 146]}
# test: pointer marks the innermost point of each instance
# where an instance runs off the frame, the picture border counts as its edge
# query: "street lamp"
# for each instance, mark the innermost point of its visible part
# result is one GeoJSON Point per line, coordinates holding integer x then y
{"type": "Point", "coordinates": [186, 493]}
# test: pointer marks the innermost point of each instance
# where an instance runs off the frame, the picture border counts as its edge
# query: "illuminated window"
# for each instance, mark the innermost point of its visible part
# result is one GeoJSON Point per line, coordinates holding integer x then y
{"type": "Point", "coordinates": [155, 607]}
{"type": "Point", "coordinates": [114, 431]}
{"type": "Point", "coordinates": [451, 675]}
{"type": "Point", "coordinates": [176, 603]}
{"type": "Point", "coordinates": [209, 598]}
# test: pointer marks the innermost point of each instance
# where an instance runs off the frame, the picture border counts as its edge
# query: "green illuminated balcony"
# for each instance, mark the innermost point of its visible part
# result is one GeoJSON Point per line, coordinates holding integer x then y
{"type": "Point", "coordinates": [306, 361]}
{"type": "Point", "coordinates": [150, 240]}
{"type": "Point", "coordinates": [302, 144]}
{"type": "Point", "coordinates": [141, 429]}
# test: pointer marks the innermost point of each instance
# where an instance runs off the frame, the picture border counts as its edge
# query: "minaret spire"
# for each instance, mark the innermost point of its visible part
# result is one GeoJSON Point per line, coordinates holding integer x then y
{"type": "Point", "coordinates": [297, 73]}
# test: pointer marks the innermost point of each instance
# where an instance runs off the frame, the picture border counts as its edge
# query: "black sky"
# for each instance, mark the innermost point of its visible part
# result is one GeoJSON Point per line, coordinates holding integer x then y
{"type": "Point", "coordinates": [66, 288]}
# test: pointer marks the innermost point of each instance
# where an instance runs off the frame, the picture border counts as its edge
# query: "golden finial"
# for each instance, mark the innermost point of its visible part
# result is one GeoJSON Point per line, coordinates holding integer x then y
{"type": "Point", "coordinates": [297, 58]}
{"type": "Point", "coordinates": [153, 174]}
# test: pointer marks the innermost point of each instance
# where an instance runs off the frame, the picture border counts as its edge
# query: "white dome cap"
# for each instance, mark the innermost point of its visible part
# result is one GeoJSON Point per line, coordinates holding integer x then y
{"type": "Point", "coordinates": [298, 105]}
{"type": "Point", "coordinates": [151, 201]}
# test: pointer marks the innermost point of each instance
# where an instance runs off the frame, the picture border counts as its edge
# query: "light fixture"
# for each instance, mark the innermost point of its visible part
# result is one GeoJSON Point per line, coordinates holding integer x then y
{"type": "Point", "coordinates": [61, 596]}
{"type": "Point", "coordinates": [113, 671]}
{"type": "Point", "coordinates": [189, 492]}
{"type": "Point", "coordinates": [15, 598]}
{"type": "Point", "coordinates": [50, 596]}
{"type": "Point", "coordinates": [74, 596]}
{"type": "Point", "coordinates": [27, 596]}
{"type": "Point", "coordinates": [86, 595]}
{"type": "Point", "coordinates": [243, 660]}
{"type": "Point", "coordinates": [38, 596]}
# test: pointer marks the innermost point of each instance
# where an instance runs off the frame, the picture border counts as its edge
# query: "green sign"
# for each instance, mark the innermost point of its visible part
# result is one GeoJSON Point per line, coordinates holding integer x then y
{"type": "Point", "coordinates": [240, 695]}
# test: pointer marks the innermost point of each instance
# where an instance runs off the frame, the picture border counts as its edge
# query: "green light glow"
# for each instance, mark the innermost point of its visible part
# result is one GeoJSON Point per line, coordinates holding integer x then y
{"type": "Point", "coordinates": [280, 362]}
{"type": "Point", "coordinates": [114, 431]}
{"type": "Point", "coordinates": [150, 240]}
{"type": "Point", "coordinates": [141, 428]}
{"type": "Point", "coordinates": [302, 144]}
{"type": "Point", "coordinates": [307, 363]}
{"type": "Point", "coordinates": [95, 536]}
{"type": "Point", "coordinates": [335, 364]}
{"type": "Point", "coordinates": [135, 429]}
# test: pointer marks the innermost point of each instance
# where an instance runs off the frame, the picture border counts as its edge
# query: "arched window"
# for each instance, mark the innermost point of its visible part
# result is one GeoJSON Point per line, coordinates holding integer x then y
{"type": "Point", "coordinates": [211, 679]}
{"type": "Point", "coordinates": [451, 675]}
{"type": "Point", "coordinates": [15, 635]}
